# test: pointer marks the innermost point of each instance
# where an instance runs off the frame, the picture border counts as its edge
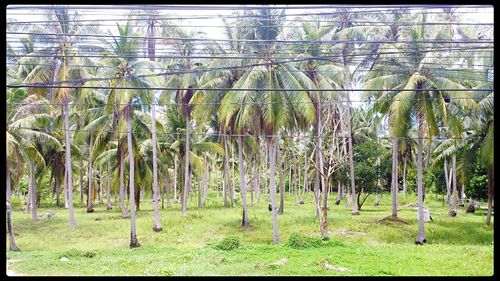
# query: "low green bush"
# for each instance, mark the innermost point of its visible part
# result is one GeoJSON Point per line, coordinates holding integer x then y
{"type": "Point", "coordinates": [228, 243]}
{"type": "Point", "coordinates": [298, 241]}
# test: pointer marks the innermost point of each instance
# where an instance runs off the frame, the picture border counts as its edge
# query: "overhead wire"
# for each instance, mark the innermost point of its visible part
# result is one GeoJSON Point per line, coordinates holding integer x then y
{"type": "Point", "coordinates": [218, 134]}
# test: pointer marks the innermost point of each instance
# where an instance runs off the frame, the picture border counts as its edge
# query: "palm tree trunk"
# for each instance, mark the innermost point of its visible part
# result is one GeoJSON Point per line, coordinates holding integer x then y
{"type": "Point", "coordinates": [200, 192]}
{"type": "Point", "coordinates": [257, 193]}
{"type": "Point", "coordinates": [225, 170]}
{"type": "Point", "coordinates": [317, 198]}
{"type": "Point", "coordinates": [280, 173]}
{"type": "Point", "coordinates": [448, 191]}
{"type": "Point", "coordinates": [491, 185]}
{"type": "Point", "coordinates": [233, 178]}
{"type": "Point", "coordinates": [28, 201]}
{"type": "Point", "coordinates": [323, 225]}
{"type": "Point", "coordinates": [394, 185]}
{"type": "Point", "coordinates": [175, 178]}
{"type": "Point", "coordinates": [205, 180]}
{"type": "Point", "coordinates": [12, 242]}
{"type": "Point", "coordinates": [81, 182]}
{"type": "Point", "coordinates": [453, 211]}
{"type": "Point", "coordinates": [421, 231]}
{"type": "Point", "coordinates": [306, 183]}
{"type": "Point", "coordinates": [65, 189]}
{"type": "Point", "coordinates": [167, 189]}
{"type": "Point", "coordinates": [133, 236]}
{"type": "Point", "coordinates": [34, 215]}
{"type": "Point", "coordinates": [404, 175]}
{"type": "Point", "coordinates": [122, 188]}
{"type": "Point", "coordinates": [90, 208]}
{"type": "Point", "coordinates": [186, 170]}
{"type": "Point", "coordinates": [297, 187]}
{"type": "Point", "coordinates": [99, 193]}
{"type": "Point", "coordinates": [272, 187]}
{"type": "Point", "coordinates": [108, 192]}
{"type": "Point", "coordinates": [7, 176]}
{"type": "Point", "coordinates": [244, 220]}
{"type": "Point", "coordinates": [156, 195]}
{"type": "Point", "coordinates": [355, 210]}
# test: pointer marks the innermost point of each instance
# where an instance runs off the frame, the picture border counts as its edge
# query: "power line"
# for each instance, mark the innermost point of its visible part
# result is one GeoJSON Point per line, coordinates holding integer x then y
{"type": "Point", "coordinates": [211, 69]}
{"type": "Point", "coordinates": [307, 136]}
{"type": "Point", "coordinates": [34, 85]}
{"type": "Point", "coordinates": [298, 21]}
{"type": "Point", "coordinates": [234, 7]}
{"type": "Point", "coordinates": [258, 40]}
{"type": "Point", "coordinates": [330, 102]}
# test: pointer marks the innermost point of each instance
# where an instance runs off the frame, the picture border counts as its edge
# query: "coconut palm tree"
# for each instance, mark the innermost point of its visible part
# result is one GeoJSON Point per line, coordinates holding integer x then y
{"type": "Point", "coordinates": [416, 90]}
{"type": "Point", "coordinates": [127, 88]}
{"type": "Point", "coordinates": [269, 110]}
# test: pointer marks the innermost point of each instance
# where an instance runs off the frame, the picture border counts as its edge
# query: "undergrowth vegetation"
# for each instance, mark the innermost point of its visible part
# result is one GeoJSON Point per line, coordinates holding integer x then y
{"type": "Point", "coordinates": [211, 241]}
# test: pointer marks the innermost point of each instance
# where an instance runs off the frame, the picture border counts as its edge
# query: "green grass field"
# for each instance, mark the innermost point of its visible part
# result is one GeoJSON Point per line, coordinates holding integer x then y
{"type": "Point", "coordinates": [365, 246]}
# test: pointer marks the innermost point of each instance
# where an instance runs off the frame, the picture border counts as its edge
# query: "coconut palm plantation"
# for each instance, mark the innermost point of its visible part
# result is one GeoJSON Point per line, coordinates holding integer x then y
{"type": "Point", "coordinates": [321, 140]}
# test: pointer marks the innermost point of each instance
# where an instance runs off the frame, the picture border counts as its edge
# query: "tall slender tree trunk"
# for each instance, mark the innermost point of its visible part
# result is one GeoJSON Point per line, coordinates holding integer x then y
{"type": "Point", "coordinates": [272, 188]}
{"type": "Point", "coordinates": [297, 187]}
{"type": "Point", "coordinates": [167, 188]}
{"type": "Point", "coordinates": [186, 169]}
{"type": "Point", "coordinates": [355, 210]}
{"type": "Point", "coordinates": [316, 188]}
{"type": "Point", "coordinates": [175, 178]}
{"type": "Point", "coordinates": [7, 176]}
{"type": "Point", "coordinates": [108, 192]}
{"type": "Point", "coordinates": [156, 192]}
{"type": "Point", "coordinates": [12, 242]}
{"type": "Point", "coordinates": [244, 220]}
{"type": "Point", "coordinates": [404, 176]}
{"type": "Point", "coordinates": [394, 185]}
{"type": "Point", "coordinates": [421, 230]}
{"type": "Point", "coordinates": [491, 186]}
{"type": "Point", "coordinates": [123, 207]}
{"type": "Point", "coordinates": [28, 200]}
{"type": "Point", "coordinates": [205, 180]}
{"type": "Point", "coordinates": [447, 180]}
{"type": "Point", "coordinates": [200, 192]}
{"type": "Point", "coordinates": [81, 182]}
{"type": "Point", "coordinates": [65, 189]}
{"type": "Point", "coordinates": [99, 193]}
{"type": "Point", "coordinates": [258, 174]}
{"type": "Point", "coordinates": [280, 173]}
{"type": "Point", "coordinates": [306, 183]}
{"type": "Point", "coordinates": [453, 211]}
{"type": "Point", "coordinates": [323, 225]}
{"type": "Point", "coordinates": [233, 178]}
{"type": "Point", "coordinates": [90, 207]}
{"type": "Point", "coordinates": [133, 235]}
{"type": "Point", "coordinates": [225, 170]}
{"type": "Point", "coordinates": [34, 215]}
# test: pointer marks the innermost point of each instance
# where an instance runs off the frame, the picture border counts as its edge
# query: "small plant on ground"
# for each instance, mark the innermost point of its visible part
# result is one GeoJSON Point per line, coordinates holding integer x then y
{"type": "Point", "coordinates": [228, 243]}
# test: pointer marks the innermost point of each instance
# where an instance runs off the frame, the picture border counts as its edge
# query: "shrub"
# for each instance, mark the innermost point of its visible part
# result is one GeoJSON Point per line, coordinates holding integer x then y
{"type": "Point", "coordinates": [228, 243]}
{"type": "Point", "coordinates": [298, 241]}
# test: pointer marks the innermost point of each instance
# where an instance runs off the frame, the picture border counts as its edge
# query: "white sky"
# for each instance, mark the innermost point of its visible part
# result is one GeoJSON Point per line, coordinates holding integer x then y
{"type": "Point", "coordinates": [477, 15]}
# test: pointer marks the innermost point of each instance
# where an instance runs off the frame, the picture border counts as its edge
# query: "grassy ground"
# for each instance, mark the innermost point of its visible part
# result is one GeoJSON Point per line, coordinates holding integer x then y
{"type": "Point", "coordinates": [365, 246]}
